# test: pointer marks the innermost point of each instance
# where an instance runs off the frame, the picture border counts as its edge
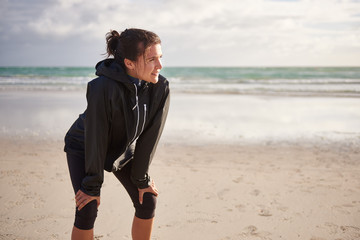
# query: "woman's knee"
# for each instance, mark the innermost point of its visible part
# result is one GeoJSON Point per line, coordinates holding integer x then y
{"type": "Point", "coordinates": [85, 218]}
{"type": "Point", "coordinates": [146, 210]}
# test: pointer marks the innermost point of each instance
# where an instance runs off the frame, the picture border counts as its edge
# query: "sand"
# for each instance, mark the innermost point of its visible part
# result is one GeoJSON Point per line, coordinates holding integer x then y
{"type": "Point", "coordinates": [257, 187]}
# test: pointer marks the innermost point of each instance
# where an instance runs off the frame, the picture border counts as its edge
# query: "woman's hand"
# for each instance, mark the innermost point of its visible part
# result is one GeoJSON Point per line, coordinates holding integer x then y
{"type": "Point", "coordinates": [151, 189]}
{"type": "Point", "coordinates": [82, 199]}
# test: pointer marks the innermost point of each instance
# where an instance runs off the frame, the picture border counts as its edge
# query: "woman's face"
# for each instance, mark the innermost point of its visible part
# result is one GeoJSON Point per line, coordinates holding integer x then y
{"type": "Point", "coordinates": [148, 66]}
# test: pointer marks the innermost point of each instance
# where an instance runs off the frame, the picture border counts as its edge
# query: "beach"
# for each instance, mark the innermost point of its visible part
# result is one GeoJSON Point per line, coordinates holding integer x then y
{"type": "Point", "coordinates": [228, 166]}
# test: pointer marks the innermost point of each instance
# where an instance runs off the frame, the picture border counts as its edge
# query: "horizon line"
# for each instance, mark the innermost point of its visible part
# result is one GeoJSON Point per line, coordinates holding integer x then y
{"type": "Point", "coordinates": [194, 66]}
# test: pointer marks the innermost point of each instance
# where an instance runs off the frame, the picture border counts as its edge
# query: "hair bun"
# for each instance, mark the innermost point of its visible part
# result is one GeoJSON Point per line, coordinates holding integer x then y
{"type": "Point", "coordinates": [112, 40]}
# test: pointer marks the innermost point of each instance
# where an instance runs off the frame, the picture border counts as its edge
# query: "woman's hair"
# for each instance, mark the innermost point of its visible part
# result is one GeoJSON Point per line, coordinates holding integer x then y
{"type": "Point", "coordinates": [130, 44]}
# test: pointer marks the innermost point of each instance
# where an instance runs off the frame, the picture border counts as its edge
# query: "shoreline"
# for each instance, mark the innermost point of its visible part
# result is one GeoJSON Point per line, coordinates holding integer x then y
{"type": "Point", "coordinates": [196, 118]}
{"type": "Point", "coordinates": [82, 90]}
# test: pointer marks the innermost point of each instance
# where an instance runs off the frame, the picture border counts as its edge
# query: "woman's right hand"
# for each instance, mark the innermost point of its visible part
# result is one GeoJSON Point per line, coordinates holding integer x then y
{"type": "Point", "coordinates": [151, 189]}
{"type": "Point", "coordinates": [82, 199]}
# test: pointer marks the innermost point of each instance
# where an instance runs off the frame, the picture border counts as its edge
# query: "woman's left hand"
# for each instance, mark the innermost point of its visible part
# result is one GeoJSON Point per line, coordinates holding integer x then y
{"type": "Point", "coordinates": [151, 189]}
{"type": "Point", "coordinates": [82, 199]}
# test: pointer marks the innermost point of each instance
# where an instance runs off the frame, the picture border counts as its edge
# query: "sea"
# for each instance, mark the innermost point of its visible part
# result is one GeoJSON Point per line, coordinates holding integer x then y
{"type": "Point", "coordinates": [278, 81]}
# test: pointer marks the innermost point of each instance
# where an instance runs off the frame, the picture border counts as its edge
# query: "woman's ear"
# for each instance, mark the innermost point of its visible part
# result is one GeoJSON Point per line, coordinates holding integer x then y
{"type": "Point", "coordinates": [129, 64]}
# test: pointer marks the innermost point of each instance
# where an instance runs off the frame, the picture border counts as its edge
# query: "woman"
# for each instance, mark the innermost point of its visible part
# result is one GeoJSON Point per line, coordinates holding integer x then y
{"type": "Point", "coordinates": [119, 131]}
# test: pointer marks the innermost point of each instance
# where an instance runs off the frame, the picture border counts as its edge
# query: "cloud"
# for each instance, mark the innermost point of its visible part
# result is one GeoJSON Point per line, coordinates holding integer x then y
{"type": "Point", "coordinates": [228, 32]}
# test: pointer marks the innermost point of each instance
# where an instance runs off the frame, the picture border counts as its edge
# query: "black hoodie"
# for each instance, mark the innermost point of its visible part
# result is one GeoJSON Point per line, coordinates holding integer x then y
{"type": "Point", "coordinates": [120, 122]}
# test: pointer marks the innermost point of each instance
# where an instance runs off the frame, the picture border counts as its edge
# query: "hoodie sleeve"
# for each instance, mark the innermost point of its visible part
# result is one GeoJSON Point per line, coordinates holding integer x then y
{"type": "Point", "coordinates": [147, 143]}
{"type": "Point", "coordinates": [96, 138]}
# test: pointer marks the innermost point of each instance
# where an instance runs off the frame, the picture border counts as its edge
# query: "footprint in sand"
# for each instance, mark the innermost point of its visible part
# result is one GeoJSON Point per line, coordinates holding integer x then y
{"type": "Point", "coordinates": [238, 180]}
{"type": "Point", "coordinates": [265, 213]}
{"type": "Point", "coordinates": [253, 231]}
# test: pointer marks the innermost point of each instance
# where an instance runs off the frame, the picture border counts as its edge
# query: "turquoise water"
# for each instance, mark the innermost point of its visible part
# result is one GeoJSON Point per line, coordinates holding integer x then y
{"type": "Point", "coordinates": [46, 71]}
{"type": "Point", "coordinates": [329, 81]}
{"type": "Point", "coordinates": [243, 74]}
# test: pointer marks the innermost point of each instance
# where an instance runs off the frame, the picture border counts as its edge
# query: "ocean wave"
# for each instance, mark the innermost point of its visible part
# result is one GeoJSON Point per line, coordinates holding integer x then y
{"type": "Point", "coordinates": [262, 81]}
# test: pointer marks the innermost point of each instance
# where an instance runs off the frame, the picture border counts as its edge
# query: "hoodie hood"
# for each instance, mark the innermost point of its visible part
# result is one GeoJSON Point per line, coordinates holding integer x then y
{"type": "Point", "coordinates": [110, 69]}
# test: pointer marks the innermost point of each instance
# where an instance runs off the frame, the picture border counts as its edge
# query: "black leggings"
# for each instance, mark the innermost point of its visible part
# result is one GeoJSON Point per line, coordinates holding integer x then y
{"type": "Point", "coordinates": [85, 218]}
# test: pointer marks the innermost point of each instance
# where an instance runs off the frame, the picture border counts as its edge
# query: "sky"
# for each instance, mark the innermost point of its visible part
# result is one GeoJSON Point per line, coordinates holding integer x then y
{"type": "Point", "coordinates": [193, 32]}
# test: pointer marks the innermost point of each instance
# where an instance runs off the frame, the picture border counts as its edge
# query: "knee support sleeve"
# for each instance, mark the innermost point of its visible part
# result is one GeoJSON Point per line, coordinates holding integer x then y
{"type": "Point", "coordinates": [85, 218]}
{"type": "Point", "coordinates": [146, 210]}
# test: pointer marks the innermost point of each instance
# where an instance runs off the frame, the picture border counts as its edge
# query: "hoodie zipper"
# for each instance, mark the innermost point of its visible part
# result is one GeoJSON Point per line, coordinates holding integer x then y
{"type": "Point", "coordinates": [138, 115]}
{"type": "Point", "coordinates": [142, 129]}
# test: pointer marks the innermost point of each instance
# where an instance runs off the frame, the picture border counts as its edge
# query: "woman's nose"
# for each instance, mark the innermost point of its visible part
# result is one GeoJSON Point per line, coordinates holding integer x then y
{"type": "Point", "coordinates": [159, 64]}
